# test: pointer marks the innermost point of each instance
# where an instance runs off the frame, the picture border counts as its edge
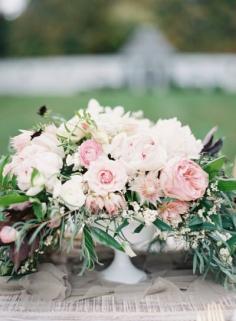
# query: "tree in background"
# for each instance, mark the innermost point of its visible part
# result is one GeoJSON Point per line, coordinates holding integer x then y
{"type": "Point", "coordinates": [3, 36]}
{"type": "Point", "coordinates": [199, 25]}
{"type": "Point", "coordinates": [51, 27]}
{"type": "Point", "coordinates": [54, 27]}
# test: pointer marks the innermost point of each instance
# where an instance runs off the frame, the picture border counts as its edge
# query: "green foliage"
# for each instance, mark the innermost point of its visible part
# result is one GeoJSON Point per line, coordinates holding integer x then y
{"type": "Point", "coordinates": [201, 25]}
{"type": "Point", "coordinates": [106, 239]}
{"type": "Point", "coordinates": [12, 198]}
{"type": "Point", "coordinates": [162, 225]}
{"type": "Point", "coordinates": [227, 185]}
{"type": "Point", "coordinates": [56, 27]}
{"type": "Point", "coordinates": [213, 167]}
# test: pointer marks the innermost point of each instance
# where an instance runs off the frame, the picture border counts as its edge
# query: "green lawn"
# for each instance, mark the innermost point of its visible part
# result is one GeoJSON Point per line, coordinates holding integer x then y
{"type": "Point", "coordinates": [201, 110]}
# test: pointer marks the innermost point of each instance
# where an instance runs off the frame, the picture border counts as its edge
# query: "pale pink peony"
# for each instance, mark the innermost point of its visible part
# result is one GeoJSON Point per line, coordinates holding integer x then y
{"type": "Point", "coordinates": [147, 186]}
{"type": "Point", "coordinates": [177, 140]}
{"type": "Point", "coordinates": [141, 152]}
{"type": "Point", "coordinates": [105, 176]}
{"type": "Point", "coordinates": [184, 180]}
{"type": "Point", "coordinates": [20, 141]}
{"type": "Point", "coordinates": [8, 234]}
{"type": "Point", "coordinates": [89, 152]}
{"type": "Point", "coordinates": [171, 211]}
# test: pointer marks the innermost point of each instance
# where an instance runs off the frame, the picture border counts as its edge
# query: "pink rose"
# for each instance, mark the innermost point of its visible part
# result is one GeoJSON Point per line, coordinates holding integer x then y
{"type": "Point", "coordinates": [171, 211]}
{"type": "Point", "coordinates": [184, 180]}
{"type": "Point", "coordinates": [105, 176]}
{"type": "Point", "coordinates": [89, 151]}
{"type": "Point", "coordinates": [8, 234]}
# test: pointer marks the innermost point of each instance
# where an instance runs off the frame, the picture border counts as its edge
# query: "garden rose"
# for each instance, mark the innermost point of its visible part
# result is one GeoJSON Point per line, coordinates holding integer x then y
{"type": "Point", "coordinates": [177, 140]}
{"type": "Point", "coordinates": [184, 180]}
{"type": "Point", "coordinates": [89, 151]}
{"type": "Point", "coordinates": [8, 234]}
{"type": "Point", "coordinates": [105, 175]}
{"type": "Point", "coordinates": [71, 192]}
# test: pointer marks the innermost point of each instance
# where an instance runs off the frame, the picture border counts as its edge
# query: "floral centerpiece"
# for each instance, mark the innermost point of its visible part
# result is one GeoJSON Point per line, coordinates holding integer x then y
{"type": "Point", "coordinates": [102, 169]}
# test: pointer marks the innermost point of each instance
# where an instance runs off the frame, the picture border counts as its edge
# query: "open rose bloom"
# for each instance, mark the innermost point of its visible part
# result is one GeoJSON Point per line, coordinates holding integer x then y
{"type": "Point", "coordinates": [104, 168]}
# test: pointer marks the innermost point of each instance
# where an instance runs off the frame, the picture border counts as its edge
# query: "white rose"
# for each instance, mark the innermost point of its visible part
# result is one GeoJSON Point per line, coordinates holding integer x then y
{"type": "Point", "coordinates": [177, 140]}
{"type": "Point", "coordinates": [71, 193]}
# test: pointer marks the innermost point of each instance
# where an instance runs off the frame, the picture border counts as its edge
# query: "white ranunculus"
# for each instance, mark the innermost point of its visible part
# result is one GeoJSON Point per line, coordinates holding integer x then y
{"type": "Point", "coordinates": [177, 140]}
{"type": "Point", "coordinates": [71, 192]}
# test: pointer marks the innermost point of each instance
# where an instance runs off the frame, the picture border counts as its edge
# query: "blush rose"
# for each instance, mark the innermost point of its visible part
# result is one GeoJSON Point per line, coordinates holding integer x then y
{"type": "Point", "coordinates": [183, 179]}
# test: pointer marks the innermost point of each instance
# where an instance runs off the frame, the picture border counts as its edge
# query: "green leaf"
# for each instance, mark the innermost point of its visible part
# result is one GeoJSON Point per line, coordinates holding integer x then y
{"type": "Point", "coordinates": [12, 198]}
{"type": "Point", "coordinates": [2, 217]}
{"type": "Point", "coordinates": [106, 239]}
{"type": "Point", "coordinates": [213, 167]}
{"type": "Point", "coordinates": [121, 226]}
{"type": "Point", "coordinates": [195, 220]}
{"type": "Point", "coordinates": [88, 248]}
{"type": "Point", "coordinates": [227, 185]}
{"type": "Point", "coordinates": [37, 231]}
{"type": "Point", "coordinates": [34, 174]}
{"type": "Point", "coordinates": [139, 228]}
{"type": "Point", "coordinates": [196, 224]}
{"type": "Point", "coordinates": [38, 211]}
{"type": "Point", "coordinates": [162, 225]}
{"type": "Point", "coordinates": [232, 243]}
{"type": "Point", "coordinates": [3, 162]}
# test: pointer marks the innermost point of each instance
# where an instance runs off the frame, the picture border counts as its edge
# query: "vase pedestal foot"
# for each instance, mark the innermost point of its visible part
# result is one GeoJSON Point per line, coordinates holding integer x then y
{"type": "Point", "coordinates": [122, 270]}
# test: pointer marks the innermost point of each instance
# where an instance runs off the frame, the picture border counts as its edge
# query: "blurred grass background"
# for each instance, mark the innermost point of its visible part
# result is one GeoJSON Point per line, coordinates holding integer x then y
{"type": "Point", "coordinates": [200, 109]}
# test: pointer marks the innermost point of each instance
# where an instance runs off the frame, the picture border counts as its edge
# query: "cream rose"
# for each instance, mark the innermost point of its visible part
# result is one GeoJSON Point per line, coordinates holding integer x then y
{"type": "Point", "coordinates": [71, 192]}
{"type": "Point", "coordinates": [184, 180]}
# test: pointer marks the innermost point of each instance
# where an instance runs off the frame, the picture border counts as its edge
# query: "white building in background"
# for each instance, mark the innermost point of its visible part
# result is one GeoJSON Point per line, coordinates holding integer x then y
{"type": "Point", "coordinates": [147, 60]}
